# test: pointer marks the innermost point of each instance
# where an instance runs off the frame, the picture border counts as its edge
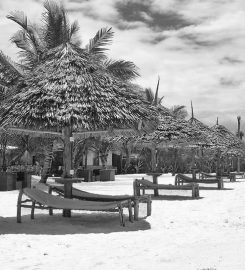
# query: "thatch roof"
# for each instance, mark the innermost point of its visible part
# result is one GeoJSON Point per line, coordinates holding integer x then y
{"type": "Point", "coordinates": [232, 143]}
{"type": "Point", "coordinates": [176, 131]}
{"type": "Point", "coordinates": [68, 89]}
{"type": "Point", "coordinates": [217, 141]}
{"type": "Point", "coordinates": [220, 137]}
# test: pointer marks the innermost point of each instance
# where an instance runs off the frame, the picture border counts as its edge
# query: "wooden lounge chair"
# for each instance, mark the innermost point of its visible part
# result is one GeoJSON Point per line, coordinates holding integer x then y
{"type": "Point", "coordinates": [142, 184]}
{"type": "Point", "coordinates": [180, 179]}
{"type": "Point", "coordinates": [42, 200]}
{"type": "Point", "coordinates": [204, 175]}
{"type": "Point", "coordinates": [233, 176]}
{"type": "Point", "coordinates": [83, 195]}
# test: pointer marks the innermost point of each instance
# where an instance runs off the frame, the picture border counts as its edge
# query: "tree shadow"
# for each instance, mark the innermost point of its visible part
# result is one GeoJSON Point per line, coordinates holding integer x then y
{"type": "Point", "coordinates": [84, 223]}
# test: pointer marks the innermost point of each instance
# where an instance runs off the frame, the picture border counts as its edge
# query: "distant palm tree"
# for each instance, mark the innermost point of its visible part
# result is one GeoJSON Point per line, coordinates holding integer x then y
{"type": "Point", "coordinates": [239, 133]}
{"type": "Point", "coordinates": [153, 97]}
{"type": "Point", "coordinates": [179, 111]}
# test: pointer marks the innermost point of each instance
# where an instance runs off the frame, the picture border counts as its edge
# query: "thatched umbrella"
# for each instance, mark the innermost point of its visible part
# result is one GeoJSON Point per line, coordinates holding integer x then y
{"type": "Point", "coordinates": [231, 141]}
{"type": "Point", "coordinates": [232, 144]}
{"type": "Point", "coordinates": [173, 131]}
{"type": "Point", "coordinates": [68, 92]}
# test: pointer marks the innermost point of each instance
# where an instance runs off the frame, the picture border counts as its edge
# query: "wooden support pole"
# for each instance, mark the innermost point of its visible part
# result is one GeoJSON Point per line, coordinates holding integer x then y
{"type": "Point", "coordinates": [153, 157]}
{"type": "Point", "coordinates": [130, 212]}
{"type": "Point", "coordinates": [149, 206]}
{"type": "Point", "coordinates": [33, 209]}
{"type": "Point", "coordinates": [120, 210]}
{"type": "Point", "coordinates": [50, 189]}
{"type": "Point", "coordinates": [67, 154]}
{"type": "Point", "coordinates": [136, 209]}
{"type": "Point", "coordinates": [19, 206]}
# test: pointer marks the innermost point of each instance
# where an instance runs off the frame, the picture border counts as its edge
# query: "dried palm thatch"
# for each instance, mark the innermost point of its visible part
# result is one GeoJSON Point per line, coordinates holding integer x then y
{"type": "Point", "coordinates": [216, 139]}
{"type": "Point", "coordinates": [66, 89]}
{"type": "Point", "coordinates": [231, 144]}
{"type": "Point", "coordinates": [177, 132]}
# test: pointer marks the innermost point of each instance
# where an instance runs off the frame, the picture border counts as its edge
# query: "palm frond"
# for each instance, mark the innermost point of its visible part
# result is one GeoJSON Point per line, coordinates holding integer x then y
{"type": "Point", "coordinates": [19, 17]}
{"type": "Point", "coordinates": [149, 95]}
{"type": "Point", "coordinates": [177, 108]}
{"type": "Point", "coordinates": [124, 70]}
{"type": "Point", "coordinates": [160, 100]}
{"type": "Point", "coordinates": [102, 38]}
{"type": "Point", "coordinates": [74, 29]}
{"type": "Point", "coordinates": [10, 65]}
{"type": "Point", "coordinates": [155, 102]}
{"type": "Point", "coordinates": [27, 34]}
{"type": "Point", "coordinates": [53, 19]}
{"type": "Point", "coordinates": [23, 42]}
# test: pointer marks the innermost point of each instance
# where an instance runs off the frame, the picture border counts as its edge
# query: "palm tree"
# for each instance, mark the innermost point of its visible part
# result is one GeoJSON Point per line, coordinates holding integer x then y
{"type": "Point", "coordinates": [34, 41]}
{"type": "Point", "coordinates": [179, 111]}
{"type": "Point", "coordinates": [95, 49]}
{"type": "Point", "coordinates": [153, 97]}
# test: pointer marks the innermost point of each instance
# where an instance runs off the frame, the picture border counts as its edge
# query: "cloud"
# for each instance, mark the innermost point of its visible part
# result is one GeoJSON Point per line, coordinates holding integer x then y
{"type": "Point", "coordinates": [142, 11]}
{"type": "Point", "coordinates": [230, 60]}
{"type": "Point", "coordinates": [196, 46]}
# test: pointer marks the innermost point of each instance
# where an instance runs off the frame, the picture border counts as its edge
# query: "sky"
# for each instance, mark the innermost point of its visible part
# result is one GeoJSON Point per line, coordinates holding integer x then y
{"type": "Point", "coordinates": [195, 46]}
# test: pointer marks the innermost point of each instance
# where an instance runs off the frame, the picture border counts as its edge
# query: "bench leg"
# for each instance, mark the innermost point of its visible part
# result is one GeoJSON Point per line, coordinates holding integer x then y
{"type": "Point", "coordinates": [120, 211]}
{"type": "Point", "coordinates": [149, 207]}
{"type": "Point", "coordinates": [136, 209]}
{"type": "Point", "coordinates": [50, 189]}
{"type": "Point", "coordinates": [220, 183]}
{"type": "Point", "coordinates": [33, 209]}
{"type": "Point", "coordinates": [19, 206]}
{"type": "Point", "coordinates": [130, 212]}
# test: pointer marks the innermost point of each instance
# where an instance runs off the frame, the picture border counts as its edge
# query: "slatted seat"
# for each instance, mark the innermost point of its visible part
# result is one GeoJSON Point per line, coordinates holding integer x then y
{"type": "Point", "coordinates": [42, 200]}
{"type": "Point", "coordinates": [83, 195]}
{"type": "Point", "coordinates": [143, 184]}
{"type": "Point", "coordinates": [180, 179]}
{"type": "Point", "coordinates": [233, 175]}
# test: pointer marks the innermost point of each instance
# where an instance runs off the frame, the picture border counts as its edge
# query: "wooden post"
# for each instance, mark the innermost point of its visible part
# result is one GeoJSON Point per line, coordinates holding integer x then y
{"type": "Point", "coordinates": [153, 157]}
{"type": "Point", "coordinates": [50, 189]}
{"type": "Point", "coordinates": [149, 206]}
{"type": "Point", "coordinates": [130, 212]}
{"type": "Point", "coordinates": [218, 172]}
{"type": "Point", "coordinates": [32, 209]}
{"type": "Point", "coordinates": [238, 164]}
{"type": "Point", "coordinates": [239, 137]}
{"type": "Point", "coordinates": [19, 206]}
{"type": "Point", "coordinates": [136, 209]}
{"type": "Point", "coordinates": [67, 154]}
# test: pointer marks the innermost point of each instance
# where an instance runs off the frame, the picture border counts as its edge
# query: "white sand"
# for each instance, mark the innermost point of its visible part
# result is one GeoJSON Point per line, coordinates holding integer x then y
{"type": "Point", "coordinates": [182, 233]}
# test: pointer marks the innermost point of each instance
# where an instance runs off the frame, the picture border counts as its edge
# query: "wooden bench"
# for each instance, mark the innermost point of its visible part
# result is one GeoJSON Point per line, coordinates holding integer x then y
{"type": "Point", "coordinates": [180, 179]}
{"type": "Point", "coordinates": [84, 195]}
{"type": "Point", "coordinates": [142, 184]}
{"type": "Point", "coordinates": [42, 200]}
{"type": "Point", "coordinates": [204, 175]}
{"type": "Point", "coordinates": [233, 176]}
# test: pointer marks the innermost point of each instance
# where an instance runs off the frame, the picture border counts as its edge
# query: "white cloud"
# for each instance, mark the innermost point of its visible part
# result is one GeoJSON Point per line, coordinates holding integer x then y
{"type": "Point", "coordinates": [188, 60]}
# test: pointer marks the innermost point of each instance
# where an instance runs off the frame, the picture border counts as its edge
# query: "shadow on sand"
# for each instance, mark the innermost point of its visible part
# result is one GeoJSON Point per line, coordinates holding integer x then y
{"type": "Point", "coordinates": [173, 198]}
{"type": "Point", "coordinates": [78, 224]}
{"type": "Point", "coordinates": [214, 188]}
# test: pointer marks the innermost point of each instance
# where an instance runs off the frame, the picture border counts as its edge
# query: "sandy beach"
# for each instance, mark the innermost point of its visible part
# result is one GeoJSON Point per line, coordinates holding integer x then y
{"type": "Point", "coordinates": [182, 233]}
